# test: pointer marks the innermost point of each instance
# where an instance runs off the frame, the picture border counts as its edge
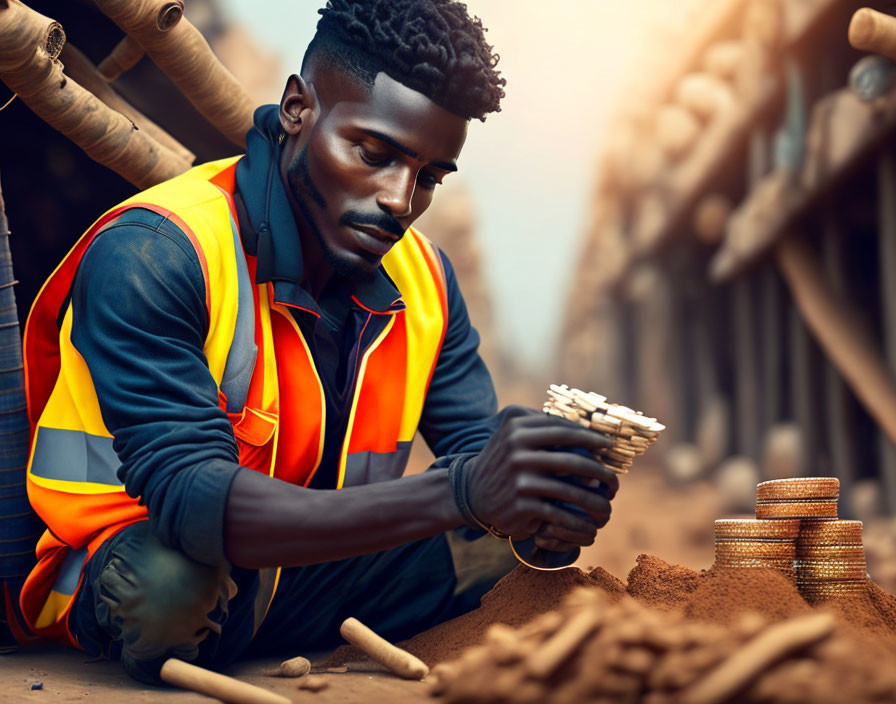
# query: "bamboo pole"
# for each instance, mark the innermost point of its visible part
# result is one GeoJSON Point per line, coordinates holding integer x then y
{"type": "Point", "coordinates": [835, 326]}
{"type": "Point", "coordinates": [29, 66]}
{"type": "Point", "coordinates": [126, 54]}
{"type": "Point", "coordinates": [178, 48]}
{"type": "Point", "coordinates": [79, 67]}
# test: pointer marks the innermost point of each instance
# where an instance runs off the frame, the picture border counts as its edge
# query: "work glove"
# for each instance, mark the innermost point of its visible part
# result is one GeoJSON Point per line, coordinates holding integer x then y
{"type": "Point", "coordinates": [525, 482]}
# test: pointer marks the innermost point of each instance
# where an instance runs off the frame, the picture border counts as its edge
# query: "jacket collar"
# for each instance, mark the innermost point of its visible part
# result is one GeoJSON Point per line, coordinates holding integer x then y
{"type": "Point", "coordinates": [269, 231]}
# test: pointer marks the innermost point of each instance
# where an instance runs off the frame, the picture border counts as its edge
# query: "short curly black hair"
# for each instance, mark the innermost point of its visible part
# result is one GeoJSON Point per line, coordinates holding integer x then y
{"type": "Point", "coordinates": [431, 46]}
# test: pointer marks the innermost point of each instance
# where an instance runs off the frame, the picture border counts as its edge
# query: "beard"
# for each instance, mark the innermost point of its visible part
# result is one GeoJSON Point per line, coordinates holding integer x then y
{"type": "Point", "coordinates": [305, 191]}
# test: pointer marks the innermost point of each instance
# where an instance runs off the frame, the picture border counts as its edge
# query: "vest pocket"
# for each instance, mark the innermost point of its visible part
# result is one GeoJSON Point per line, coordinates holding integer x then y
{"type": "Point", "coordinates": [254, 426]}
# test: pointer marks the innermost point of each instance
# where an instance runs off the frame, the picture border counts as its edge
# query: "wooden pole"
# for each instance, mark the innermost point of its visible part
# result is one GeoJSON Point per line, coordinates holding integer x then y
{"type": "Point", "coordinates": [836, 327]}
{"type": "Point", "coordinates": [212, 684]}
{"type": "Point", "coordinates": [839, 404]}
{"type": "Point", "coordinates": [178, 48]}
{"type": "Point", "coordinates": [126, 54]}
{"type": "Point", "coordinates": [79, 67]}
{"type": "Point", "coordinates": [29, 66]}
{"type": "Point", "coordinates": [886, 237]}
{"type": "Point", "coordinates": [870, 30]}
{"type": "Point", "coordinates": [771, 305]}
{"type": "Point", "coordinates": [746, 406]}
{"type": "Point", "coordinates": [802, 365]}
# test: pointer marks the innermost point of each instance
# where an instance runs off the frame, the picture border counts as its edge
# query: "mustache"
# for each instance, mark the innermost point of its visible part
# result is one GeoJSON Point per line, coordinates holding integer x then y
{"type": "Point", "coordinates": [381, 221]}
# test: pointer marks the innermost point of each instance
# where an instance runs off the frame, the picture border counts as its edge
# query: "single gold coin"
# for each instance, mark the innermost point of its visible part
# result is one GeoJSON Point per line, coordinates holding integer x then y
{"type": "Point", "coordinates": [813, 573]}
{"type": "Point", "coordinates": [836, 553]}
{"type": "Point", "coordinates": [830, 533]}
{"type": "Point", "coordinates": [796, 509]}
{"type": "Point", "coordinates": [755, 528]}
{"type": "Point", "coordinates": [755, 547]}
{"type": "Point", "coordinates": [799, 488]}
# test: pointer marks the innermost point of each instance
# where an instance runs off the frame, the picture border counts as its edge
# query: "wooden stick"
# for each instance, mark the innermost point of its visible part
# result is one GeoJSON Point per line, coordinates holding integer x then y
{"type": "Point", "coordinates": [126, 54]}
{"type": "Point", "coordinates": [835, 325]}
{"type": "Point", "coordinates": [544, 661]}
{"type": "Point", "coordinates": [212, 684]}
{"type": "Point", "coordinates": [79, 67]}
{"type": "Point", "coordinates": [870, 30]}
{"type": "Point", "coordinates": [401, 662]}
{"type": "Point", "coordinates": [184, 55]}
{"type": "Point", "coordinates": [28, 65]}
{"type": "Point", "coordinates": [773, 644]}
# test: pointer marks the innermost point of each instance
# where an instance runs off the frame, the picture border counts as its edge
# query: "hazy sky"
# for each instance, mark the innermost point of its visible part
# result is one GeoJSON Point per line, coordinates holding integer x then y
{"type": "Point", "coordinates": [532, 166]}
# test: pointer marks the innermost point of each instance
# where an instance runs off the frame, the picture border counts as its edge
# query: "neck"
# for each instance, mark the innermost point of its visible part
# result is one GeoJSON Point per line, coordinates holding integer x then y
{"type": "Point", "coordinates": [316, 271]}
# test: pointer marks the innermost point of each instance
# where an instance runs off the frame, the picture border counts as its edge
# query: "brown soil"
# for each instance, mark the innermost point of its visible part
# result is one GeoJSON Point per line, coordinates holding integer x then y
{"type": "Point", "coordinates": [516, 599]}
{"type": "Point", "coordinates": [661, 585]}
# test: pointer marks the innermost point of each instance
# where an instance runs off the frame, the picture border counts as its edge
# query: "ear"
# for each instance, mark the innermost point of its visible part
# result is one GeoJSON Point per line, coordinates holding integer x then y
{"type": "Point", "coordinates": [296, 101]}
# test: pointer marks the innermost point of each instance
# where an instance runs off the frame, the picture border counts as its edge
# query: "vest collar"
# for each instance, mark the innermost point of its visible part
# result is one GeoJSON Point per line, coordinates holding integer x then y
{"type": "Point", "coordinates": [269, 231]}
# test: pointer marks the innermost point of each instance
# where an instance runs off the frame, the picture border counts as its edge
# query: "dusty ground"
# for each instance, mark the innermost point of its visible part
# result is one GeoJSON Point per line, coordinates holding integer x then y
{"type": "Point", "coordinates": [647, 517]}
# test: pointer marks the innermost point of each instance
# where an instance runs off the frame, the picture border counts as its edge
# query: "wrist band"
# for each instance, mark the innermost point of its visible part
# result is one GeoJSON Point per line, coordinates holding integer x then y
{"type": "Point", "coordinates": [457, 476]}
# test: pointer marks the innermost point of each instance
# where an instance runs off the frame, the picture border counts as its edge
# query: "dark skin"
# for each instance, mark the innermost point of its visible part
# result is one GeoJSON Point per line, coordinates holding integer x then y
{"type": "Point", "coordinates": [360, 164]}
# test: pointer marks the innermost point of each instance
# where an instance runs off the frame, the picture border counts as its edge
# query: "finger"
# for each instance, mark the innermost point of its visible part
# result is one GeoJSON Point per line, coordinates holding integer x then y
{"type": "Point", "coordinates": [554, 532]}
{"type": "Point", "coordinates": [578, 522]}
{"type": "Point", "coordinates": [597, 506]}
{"type": "Point", "coordinates": [553, 545]}
{"type": "Point", "coordinates": [543, 462]}
{"type": "Point", "coordinates": [550, 431]}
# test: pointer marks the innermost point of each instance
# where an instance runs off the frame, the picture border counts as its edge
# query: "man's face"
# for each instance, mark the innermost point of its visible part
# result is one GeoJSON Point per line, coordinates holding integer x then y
{"type": "Point", "coordinates": [364, 165]}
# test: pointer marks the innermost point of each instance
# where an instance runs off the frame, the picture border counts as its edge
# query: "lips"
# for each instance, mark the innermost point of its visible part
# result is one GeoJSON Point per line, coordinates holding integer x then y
{"type": "Point", "coordinates": [373, 240]}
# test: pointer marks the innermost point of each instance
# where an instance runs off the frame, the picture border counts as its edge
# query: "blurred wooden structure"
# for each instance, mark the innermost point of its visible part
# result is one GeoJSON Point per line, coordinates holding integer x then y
{"type": "Point", "coordinates": [740, 282]}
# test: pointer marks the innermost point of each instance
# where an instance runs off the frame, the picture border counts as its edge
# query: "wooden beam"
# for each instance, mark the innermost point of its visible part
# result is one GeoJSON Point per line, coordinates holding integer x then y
{"type": "Point", "coordinates": [178, 48]}
{"type": "Point", "coordinates": [29, 66]}
{"type": "Point", "coordinates": [836, 327]}
{"type": "Point", "coordinates": [79, 67]}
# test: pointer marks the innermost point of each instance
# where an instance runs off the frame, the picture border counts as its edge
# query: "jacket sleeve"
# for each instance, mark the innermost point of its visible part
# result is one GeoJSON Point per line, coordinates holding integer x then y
{"type": "Point", "coordinates": [459, 413]}
{"type": "Point", "coordinates": [140, 321]}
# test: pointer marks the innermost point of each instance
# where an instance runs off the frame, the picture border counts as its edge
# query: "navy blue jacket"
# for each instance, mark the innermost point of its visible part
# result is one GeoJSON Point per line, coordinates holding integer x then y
{"type": "Point", "coordinates": [139, 321]}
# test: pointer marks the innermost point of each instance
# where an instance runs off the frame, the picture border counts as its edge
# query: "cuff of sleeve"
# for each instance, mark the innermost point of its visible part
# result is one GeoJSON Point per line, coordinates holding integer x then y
{"type": "Point", "coordinates": [458, 476]}
{"type": "Point", "coordinates": [202, 522]}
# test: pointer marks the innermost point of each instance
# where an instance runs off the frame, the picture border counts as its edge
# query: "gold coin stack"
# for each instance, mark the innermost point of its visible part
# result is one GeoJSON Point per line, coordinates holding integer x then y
{"type": "Point", "coordinates": [631, 431]}
{"type": "Point", "coordinates": [806, 498]}
{"type": "Point", "coordinates": [748, 542]}
{"type": "Point", "coordinates": [830, 560]}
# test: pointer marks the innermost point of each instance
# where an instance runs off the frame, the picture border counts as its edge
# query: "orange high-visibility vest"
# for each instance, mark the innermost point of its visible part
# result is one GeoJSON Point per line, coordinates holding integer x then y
{"type": "Point", "coordinates": [266, 378]}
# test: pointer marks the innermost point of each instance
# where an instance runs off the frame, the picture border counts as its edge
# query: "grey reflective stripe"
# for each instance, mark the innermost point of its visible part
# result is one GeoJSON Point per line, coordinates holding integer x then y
{"type": "Point", "coordinates": [371, 467]}
{"type": "Point", "coordinates": [74, 456]}
{"type": "Point", "coordinates": [243, 350]}
{"type": "Point", "coordinates": [70, 572]}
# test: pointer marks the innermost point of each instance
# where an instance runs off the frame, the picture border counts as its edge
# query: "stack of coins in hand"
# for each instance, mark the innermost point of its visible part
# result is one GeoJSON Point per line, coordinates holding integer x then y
{"type": "Point", "coordinates": [747, 542]}
{"type": "Point", "coordinates": [806, 498]}
{"type": "Point", "coordinates": [830, 560]}
{"type": "Point", "coordinates": [631, 431]}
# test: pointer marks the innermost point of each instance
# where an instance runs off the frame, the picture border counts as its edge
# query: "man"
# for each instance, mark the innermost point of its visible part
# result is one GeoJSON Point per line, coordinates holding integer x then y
{"type": "Point", "coordinates": [221, 353]}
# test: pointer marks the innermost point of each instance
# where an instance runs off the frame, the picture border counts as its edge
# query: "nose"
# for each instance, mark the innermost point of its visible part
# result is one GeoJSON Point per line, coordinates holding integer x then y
{"type": "Point", "coordinates": [397, 193]}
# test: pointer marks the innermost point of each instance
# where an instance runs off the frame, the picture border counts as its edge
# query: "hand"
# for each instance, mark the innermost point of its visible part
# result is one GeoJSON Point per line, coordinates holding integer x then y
{"type": "Point", "coordinates": [515, 483]}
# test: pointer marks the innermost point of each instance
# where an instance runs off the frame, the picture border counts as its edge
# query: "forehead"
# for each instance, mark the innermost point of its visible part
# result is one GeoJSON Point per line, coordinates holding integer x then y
{"type": "Point", "coordinates": [391, 108]}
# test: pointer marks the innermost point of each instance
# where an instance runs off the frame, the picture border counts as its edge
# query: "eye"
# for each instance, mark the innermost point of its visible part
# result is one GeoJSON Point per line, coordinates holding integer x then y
{"type": "Point", "coordinates": [428, 180]}
{"type": "Point", "coordinates": [372, 157]}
